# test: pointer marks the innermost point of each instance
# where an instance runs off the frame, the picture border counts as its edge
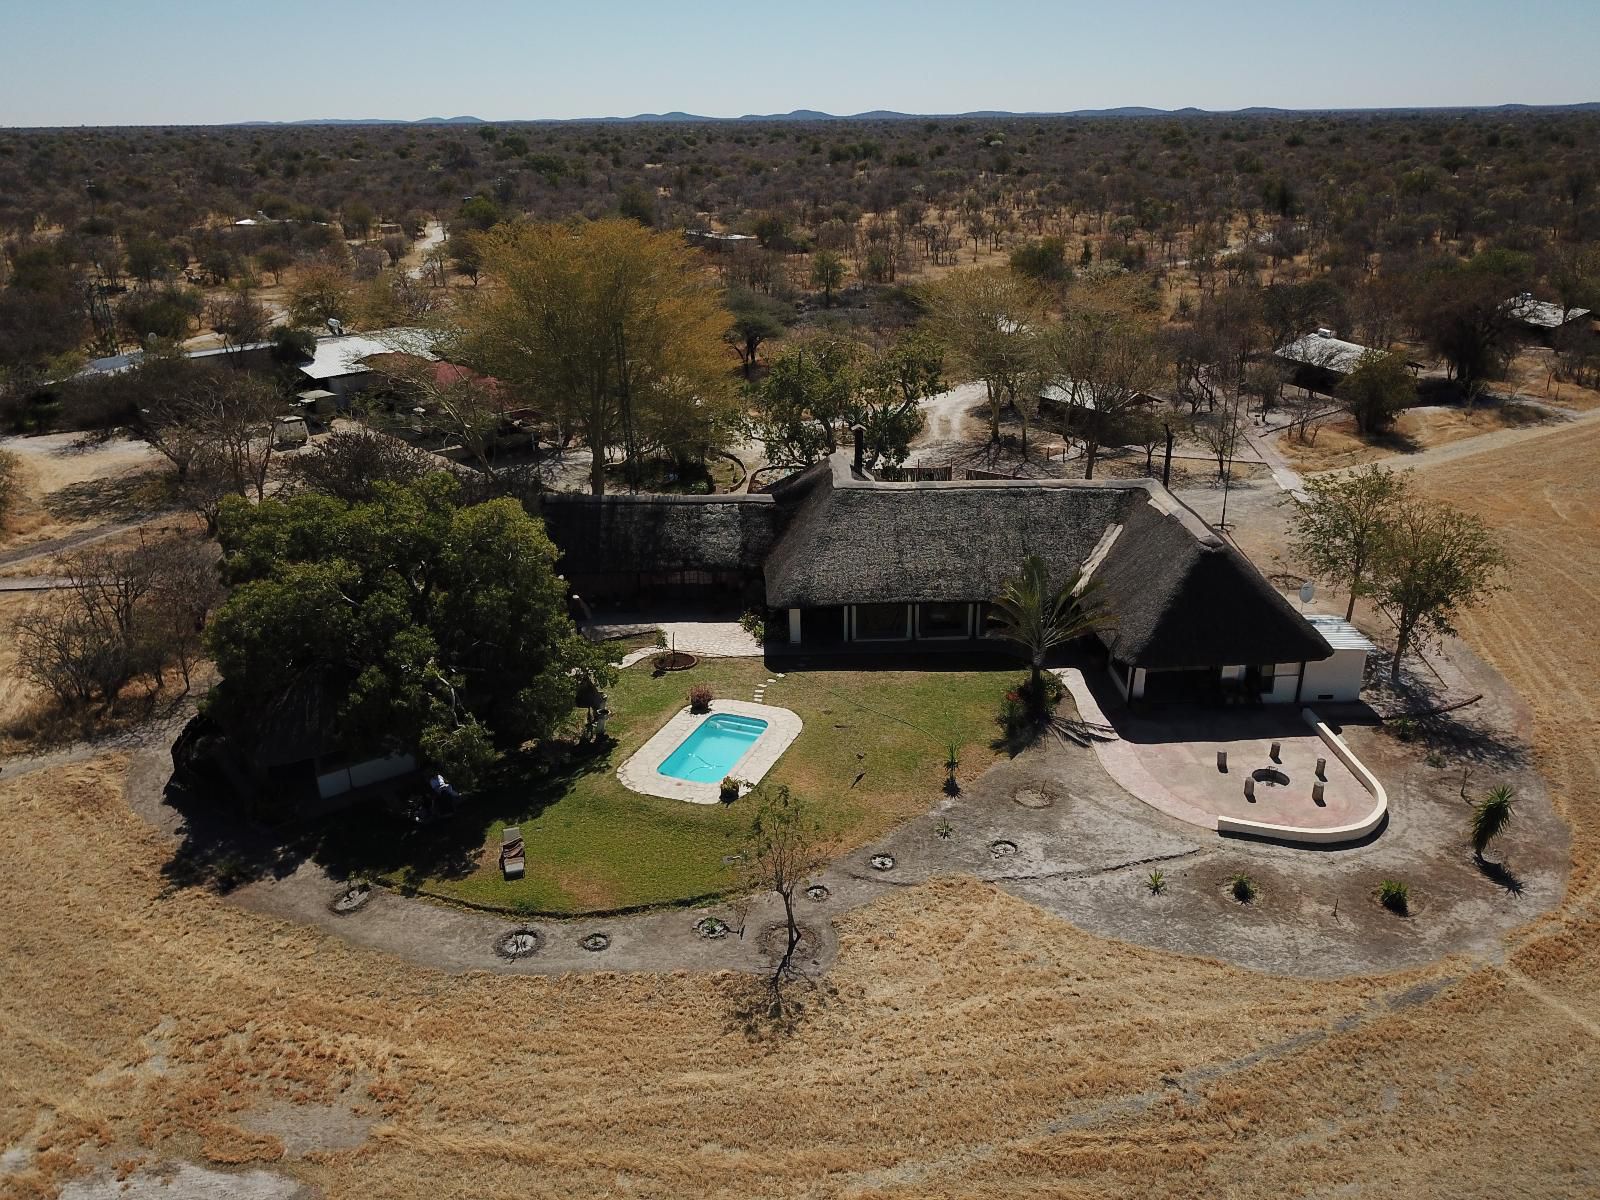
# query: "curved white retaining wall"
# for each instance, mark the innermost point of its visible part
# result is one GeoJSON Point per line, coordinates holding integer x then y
{"type": "Point", "coordinates": [1353, 832]}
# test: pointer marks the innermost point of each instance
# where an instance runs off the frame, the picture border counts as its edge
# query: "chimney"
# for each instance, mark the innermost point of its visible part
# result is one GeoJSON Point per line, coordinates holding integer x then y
{"type": "Point", "coordinates": [860, 432]}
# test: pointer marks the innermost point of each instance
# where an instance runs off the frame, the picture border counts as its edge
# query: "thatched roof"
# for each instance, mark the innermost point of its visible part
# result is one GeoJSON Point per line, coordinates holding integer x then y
{"type": "Point", "coordinates": [1181, 596]}
{"type": "Point", "coordinates": [1178, 595]}
{"type": "Point", "coordinates": [856, 541]}
{"type": "Point", "coordinates": [660, 533]}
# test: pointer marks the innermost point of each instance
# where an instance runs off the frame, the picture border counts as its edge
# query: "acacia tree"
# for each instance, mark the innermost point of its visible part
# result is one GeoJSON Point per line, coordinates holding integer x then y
{"type": "Point", "coordinates": [827, 274]}
{"type": "Point", "coordinates": [1377, 391]}
{"type": "Point", "coordinates": [599, 322]}
{"type": "Point", "coordinates": [1107, 361]}
{"type": "Point", "coordinates": [1432, 561]}
{"type": "Point", "coordinates": [801, 404]}
{"type": "Point", "coordinates": [990, 321]}
{"type": "Point", "coordinates": [829, 383]}
{"type": "Point", "coordinates": [785, 846]}
{"type": "Point", "coordinates": [756, 319]}
{"type": "Point", "coordinates": [1335, 533]}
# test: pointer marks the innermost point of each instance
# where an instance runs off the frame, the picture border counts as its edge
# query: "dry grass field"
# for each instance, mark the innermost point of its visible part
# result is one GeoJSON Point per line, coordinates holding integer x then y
{"type": "Point", "coordinates": [965, 1044]}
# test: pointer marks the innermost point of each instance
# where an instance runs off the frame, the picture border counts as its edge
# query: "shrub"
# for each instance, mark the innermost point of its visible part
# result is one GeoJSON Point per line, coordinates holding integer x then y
{"type": "Point", "coordinates": [943, 830]}
{"type": "Point", "coordinates": [755, 623]}
{"type": "Point", "coordinates": [1395, 896]}
{"type": "Point", "coordinates": [1157, 883]}
{"type": "Point", "coordinates": [1243, 888]}
{"type": "Point", "coordinates": [700, 698]}
{"type": "Point", "coordinates": [1404, 728]}
{"type": "Point", "coordinates": [1013, 716]}
{"type": "Point", "coordinates": [728, 792]}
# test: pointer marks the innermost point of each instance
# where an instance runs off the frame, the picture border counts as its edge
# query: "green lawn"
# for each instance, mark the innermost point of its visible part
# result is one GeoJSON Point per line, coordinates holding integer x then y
{"type": "Point", "coordinates": [871, 754]}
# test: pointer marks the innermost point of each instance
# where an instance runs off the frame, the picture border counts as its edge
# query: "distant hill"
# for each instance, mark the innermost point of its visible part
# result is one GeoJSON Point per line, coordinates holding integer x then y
{"type": "Point", "coordinates": [883, 114]}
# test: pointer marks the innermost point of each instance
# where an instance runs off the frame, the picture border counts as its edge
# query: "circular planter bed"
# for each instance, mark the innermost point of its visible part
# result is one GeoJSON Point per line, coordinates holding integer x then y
{"type": "Point", "coordinates": [817, 893]}
{"type": "Point", "coordinates": [881, 862]}
{"type": "Point", "coordinates": [1003, 848]}
{"type": "Point", "coordinates": [1033, 798]}
{"type": "Point", "coordinates": [595, 942]}
{"type": "Point", "coordinates": [711, 928]}
{"type": "Point", "coordinates": [519, 943]}
{"type": "Point", "coordinates": [673, 660]}
{"type": "Point", "coordinates": [350, 899]}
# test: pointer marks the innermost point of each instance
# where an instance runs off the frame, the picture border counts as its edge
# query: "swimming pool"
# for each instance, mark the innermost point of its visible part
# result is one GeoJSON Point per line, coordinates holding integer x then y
{"type": "Point", "coordinates": [712, 748]}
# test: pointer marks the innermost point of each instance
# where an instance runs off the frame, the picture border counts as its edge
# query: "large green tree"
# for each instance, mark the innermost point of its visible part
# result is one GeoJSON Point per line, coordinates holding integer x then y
{"type": "Point", "coordinates": [1337, 530]}
{"type": "Point", "coordinates": [608, 325]}
{"type": "Point", "coordinates": [426, 627]}
{"type": "Point", "coordinates": [1377, 391]}
{"type": "Point", "coordinates": [830, 383]}
{"type": "Point", "coordinates": [1433, 560]}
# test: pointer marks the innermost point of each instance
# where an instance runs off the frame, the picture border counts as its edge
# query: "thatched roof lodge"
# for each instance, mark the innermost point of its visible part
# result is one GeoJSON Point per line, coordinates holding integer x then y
{"type": "Point", "coordinates": [862, 563]}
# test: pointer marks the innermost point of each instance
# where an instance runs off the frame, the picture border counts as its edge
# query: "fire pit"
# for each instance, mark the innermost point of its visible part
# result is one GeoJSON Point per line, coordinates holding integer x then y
{"type": "Point", "coordinates": [1270, 776]}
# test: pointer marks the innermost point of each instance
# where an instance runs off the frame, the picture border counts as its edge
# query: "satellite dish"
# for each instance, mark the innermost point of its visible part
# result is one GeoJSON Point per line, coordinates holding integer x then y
{"type": "Point", "coordinates": [335, 326]}
{"type": "Point", "coordinates": [1308, 591]}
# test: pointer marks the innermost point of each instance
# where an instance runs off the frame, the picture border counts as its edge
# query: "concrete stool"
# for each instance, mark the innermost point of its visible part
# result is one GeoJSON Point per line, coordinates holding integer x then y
{"type": "Point", "coordinates": [1317, 791]}
{"type": "Point", "coordinates": [1250, 788]}
{"type": "Point", "coordinates": [1322, 768]}
{"type": "Point", "coordinates": [1222, 761]}
{"type": "Point", "coordinates": [1277, 752]}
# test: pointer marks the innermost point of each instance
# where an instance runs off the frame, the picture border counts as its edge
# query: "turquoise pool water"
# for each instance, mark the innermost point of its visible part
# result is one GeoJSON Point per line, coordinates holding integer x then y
{"type": "Point", "coordinates": [709, 752]}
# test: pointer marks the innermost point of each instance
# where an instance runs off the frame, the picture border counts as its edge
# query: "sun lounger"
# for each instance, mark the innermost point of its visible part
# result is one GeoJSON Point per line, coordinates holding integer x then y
{"type": "Point", "coordinates": [512, 860]}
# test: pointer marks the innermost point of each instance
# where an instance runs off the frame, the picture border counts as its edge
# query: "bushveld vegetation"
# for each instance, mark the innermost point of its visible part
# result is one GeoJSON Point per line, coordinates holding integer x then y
{"type": "Point", "coordinates": [1372, 224]}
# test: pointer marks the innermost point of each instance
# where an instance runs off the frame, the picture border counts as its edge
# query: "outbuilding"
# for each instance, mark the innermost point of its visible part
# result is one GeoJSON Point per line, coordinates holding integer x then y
{"type": "Point", "coordinates": [1336, 679]}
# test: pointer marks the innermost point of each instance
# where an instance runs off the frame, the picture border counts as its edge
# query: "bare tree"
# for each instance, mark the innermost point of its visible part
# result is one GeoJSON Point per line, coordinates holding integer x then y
{"type": "Point", "coordinates": [785, 847]}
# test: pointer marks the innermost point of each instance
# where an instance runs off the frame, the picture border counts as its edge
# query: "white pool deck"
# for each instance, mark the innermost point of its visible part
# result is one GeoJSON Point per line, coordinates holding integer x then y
{"type": "Point", "coordinates": [642, 772]}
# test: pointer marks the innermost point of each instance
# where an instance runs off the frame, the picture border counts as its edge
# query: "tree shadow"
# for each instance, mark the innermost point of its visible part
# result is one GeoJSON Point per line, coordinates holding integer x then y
{"type": "Point", "coordinates": [1461, 732]}
{"type": "Point", "coordinates": [121, 497]}
{"type": "Point", "coordinates": [1500, 874]}
{"type": "Point", "coordinates": [224, 845]}
{"type": "Point", "coordinates": [767, 1014]}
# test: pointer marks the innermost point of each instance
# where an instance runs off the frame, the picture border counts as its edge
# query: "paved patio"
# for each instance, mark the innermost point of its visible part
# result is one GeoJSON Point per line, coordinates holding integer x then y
{"type": "Point", "coordinates": [709, 639]}
{"type": "Point", "coordinates": [1168, 759]}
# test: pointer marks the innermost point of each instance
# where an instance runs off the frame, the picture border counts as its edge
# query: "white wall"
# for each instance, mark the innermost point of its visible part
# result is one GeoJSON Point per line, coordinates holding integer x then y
{"type": "Point", "coordinates": [373, 770]}
{"type": "Point", "coordinates": [1285, 679]}
{"type": "Point", "coordinates": [1335, 680]}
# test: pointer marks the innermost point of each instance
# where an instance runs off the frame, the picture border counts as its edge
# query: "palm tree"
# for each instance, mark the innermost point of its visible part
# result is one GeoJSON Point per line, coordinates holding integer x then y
{"type": "Point", "coordinates": [1490, 816]}
{"type": "Point", "coordinates": [1039, 618]}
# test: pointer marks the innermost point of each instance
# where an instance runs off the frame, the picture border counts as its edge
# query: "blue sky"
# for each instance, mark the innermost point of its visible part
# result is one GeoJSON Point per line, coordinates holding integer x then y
{"type": "Point", "coordinates": [69, 62]}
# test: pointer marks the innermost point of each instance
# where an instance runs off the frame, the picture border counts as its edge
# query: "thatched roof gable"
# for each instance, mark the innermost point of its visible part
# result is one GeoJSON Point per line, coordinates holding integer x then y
{"type": "Point", "coordinates": [1181, 596]}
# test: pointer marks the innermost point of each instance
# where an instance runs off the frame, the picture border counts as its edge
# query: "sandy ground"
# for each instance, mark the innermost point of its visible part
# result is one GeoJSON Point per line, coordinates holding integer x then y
{"type": "Point", "coordinates": [967, 1042]}
{"type": "Point", "coordinates": [71, 485]}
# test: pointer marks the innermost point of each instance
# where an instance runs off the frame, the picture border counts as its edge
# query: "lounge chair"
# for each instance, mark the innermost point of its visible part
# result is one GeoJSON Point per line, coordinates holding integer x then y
{"type": "Point", "coordinates": [512, 859]}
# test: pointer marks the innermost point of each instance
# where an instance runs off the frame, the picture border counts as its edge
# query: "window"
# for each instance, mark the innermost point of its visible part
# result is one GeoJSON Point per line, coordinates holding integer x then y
{"type": "Point", "coordinates": [942, 620]}
{"type": "Point", "coordinates": [882, 622]}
